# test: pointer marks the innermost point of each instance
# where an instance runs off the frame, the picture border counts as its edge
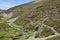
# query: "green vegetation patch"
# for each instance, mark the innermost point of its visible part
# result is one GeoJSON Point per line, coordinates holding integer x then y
{"type": "Point", "coordinates": [6, 32]}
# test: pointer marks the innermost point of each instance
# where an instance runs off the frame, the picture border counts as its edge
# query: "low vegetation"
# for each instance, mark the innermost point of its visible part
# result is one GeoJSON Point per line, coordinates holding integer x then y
{"type": "Point", "coordinates": [31, 21]}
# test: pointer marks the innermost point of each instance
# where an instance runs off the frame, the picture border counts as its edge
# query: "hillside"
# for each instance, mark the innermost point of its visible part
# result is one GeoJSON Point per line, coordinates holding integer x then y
{"type": "Point", "coordinates": [1, 10]}
{"type": "Point", "coordinates": [37, 20]}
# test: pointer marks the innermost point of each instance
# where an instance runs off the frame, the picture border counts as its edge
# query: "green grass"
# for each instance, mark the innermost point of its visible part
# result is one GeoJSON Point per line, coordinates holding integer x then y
{"type": "Point", "coordinates": [7, 31]}
{"type": "Point", "coordinates": [28, 34]}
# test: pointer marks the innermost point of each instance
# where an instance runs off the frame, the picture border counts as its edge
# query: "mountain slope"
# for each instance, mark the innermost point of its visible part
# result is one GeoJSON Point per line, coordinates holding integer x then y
{"type": "Point", "coordinates": [41, 18]}
{"type": "Point", "coordinates": [47, 8]}
{"type": "Point", "coordinates": [1, 10]}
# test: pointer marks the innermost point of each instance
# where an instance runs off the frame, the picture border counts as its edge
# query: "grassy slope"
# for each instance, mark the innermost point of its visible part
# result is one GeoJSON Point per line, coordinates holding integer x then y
{"type": "Point", "coordinates": [37, 12]}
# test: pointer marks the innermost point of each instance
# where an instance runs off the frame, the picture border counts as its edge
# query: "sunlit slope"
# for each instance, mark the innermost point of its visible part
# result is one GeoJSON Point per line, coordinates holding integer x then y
{"type": "Point", "coordinates": [41, 13]}
{"type": "Point", "coordinates": [36, 11]}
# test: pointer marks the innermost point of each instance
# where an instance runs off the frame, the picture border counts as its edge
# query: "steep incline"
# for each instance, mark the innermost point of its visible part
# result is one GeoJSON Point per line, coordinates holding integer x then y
{"type": "Point", "coordinates": [42, 17]}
